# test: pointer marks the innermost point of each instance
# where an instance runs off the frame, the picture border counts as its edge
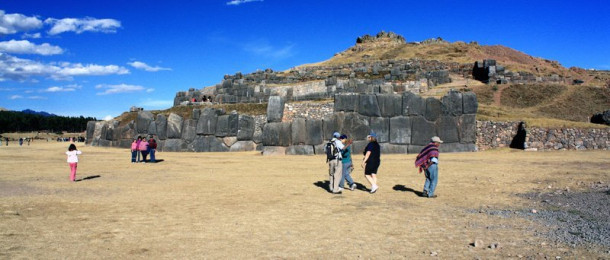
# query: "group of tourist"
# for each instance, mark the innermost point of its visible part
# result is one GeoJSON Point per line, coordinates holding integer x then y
{"type": "Point", "coordinates": [203, 99]}
{"type": "Point", "coordinates": [338, 155]}
{"type": "Point", "coordinates": [140, 147]}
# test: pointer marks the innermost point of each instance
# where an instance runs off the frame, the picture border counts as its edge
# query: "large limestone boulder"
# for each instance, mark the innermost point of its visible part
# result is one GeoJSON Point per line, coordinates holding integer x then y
{"type": "Point", "coordinates": [314, 132]}
{"type": "Point", "coordinates": [368, 105]}
{"type": "Point", "coordinates": [448, 129]}
{"type": "Point", "coordinates": [222, 126]}
{"type": "Point", "coordinates": [161, 123]}
{"type": "Point", "coordinates": [277, 134]}
{"type": "Point", "coordinates": [413, 105]}
{"type": "Point", "coordinates": [381, 126]}
{"type": "Point", "coordinates": [245, 128]}
{"type": "Point", "coordinates": [243, 146]}
{"type": "Point", "coordinates": [469, 103]}
{"type": "Point", "coordinates": [433, 109]}
{"type": "Point", "coordinates": [208, 143]}
{"type": "Point", "coordinates": [126, 132]}
{"type": "Point", "coordinates": [390, 105]}
{"type": "Point", "coordinates": [356, 126]}
{"type": "Point", "coordinates": [332, 124]}
{"type": "Point", "coordinates": [206, 125]}
{"type": "Point", "coordinates": [387, 148]}
{"type": "Point", "coordinates": [143, 120]}
{"type": "Point", "coordinates": [299, 131]}
{"type": "Point", "coordinates": [233, 124]}
{"type": "Point", "coordinates": [90, 130]}
{"type": "Point", "coordinates": [422, 131]}
{"type": "Point", "coordinates": [452, 104]}
{"type": "Point", "coordinates": [189, 130]}
{"type": "Point", "coordinates": [400, 130]}
{"type": "Point", "coordinates": [275, 109]}
{"type": "Point", "coordinates": [346, 102]}
{"type": "Point", "coordinates": [152, 128]}
{"type": "Point", "coordinates": [174, 145]}
{"type": "Point", "coordinates": [468, 128]}
{"type": "Point", "coordinates": [274, 150]}
{"type": "Point", "coordinates": [174, 126]}
{"type": "Point", "coordinates": [300, 150]}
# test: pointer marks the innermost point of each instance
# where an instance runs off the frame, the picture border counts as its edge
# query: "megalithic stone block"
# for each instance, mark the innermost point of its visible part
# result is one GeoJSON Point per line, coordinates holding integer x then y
{"type": "Point", "coordinates": [161, 123]}
{"type": "Point", "coordinates": [277, 134]}
{"type": "Point", "coordinates": [356, 126]}
{"type": "Point", "coordinates": [174, 126]}
{"type": "Point", "coordinates": [143, 120]}
{"type": "Point", "coordinates": [390, 105]}
{"type": "Point", "coordinates": [332, 124]}
{"type": "Point", "coordinates": [314, 132]}
{"type": "Point", "coordinates": [413, 105]}
{"type": "Point", "coordinates": [470, 103]}
{"type": "Point", "coordinates": [299, 131]}
{"type": "Point", "coordinates": [206, 125]}
{"type": "Point", "coordinates": [246, 128]}
{"type": "Point", "coordinates": [346, 102]}
{"type": "Point", "coordinates": [381, 126]}
{"type": "Point", "coordinates": [222, 126]}
{"type": "Point", "coordinates": [275, 109]}
{"type": "Point", "coordinates": [448, 129]}
{"type": "Point", "coordinates": [433, 109]}
{"type": "Point", "coordinates": [189, 130]}
{"type": "Point", "coordinates": [468, 128]}
{"type": "Point", "coordinates": [452, 103]}
{"type": "Point", "coordinates": [368, 106]}
{"type": "Point", "coordinates": [400, 130]}
{"type": "Point", "coordinates": [422, 130]}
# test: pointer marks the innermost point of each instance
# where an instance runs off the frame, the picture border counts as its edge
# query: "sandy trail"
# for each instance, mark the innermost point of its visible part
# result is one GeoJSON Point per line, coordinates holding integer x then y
{"type": "Point", "coordinates": [244, 205]}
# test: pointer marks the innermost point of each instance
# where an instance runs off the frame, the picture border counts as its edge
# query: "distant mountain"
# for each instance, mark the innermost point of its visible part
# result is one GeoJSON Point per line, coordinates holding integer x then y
{"type": "Point", "coordinates": [3, 109]}
{"type": "Point", "coordinates": [41, 113]}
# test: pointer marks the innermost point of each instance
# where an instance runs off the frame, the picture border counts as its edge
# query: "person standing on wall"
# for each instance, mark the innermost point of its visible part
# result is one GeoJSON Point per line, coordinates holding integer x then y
{"type": "Point", "coordinates": [427, 161]}
{"type": "Point", "coordinates": [371, 161]}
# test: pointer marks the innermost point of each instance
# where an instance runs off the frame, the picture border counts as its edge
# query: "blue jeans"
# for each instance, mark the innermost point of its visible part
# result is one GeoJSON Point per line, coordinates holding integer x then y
{"type": "Point", "coordinates": [133, 156]}
{"type": "Point", "coordinates": [346, 175]}
{"type": "Point", "coordinates": [152, 155]}
{"type": "Point", "coordinates": [431, 179]}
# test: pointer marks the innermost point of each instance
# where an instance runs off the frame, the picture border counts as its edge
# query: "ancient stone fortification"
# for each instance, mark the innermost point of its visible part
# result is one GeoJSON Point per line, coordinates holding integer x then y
{"type": "Point", "coordinates": [500, 134]}
{"type": "Point", "coordinates": [488, 71]}
{"type": "Point", "coordinates": [404, 123]}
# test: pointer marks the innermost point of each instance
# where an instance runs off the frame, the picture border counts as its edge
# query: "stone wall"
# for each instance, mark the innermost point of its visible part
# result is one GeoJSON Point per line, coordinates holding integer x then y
{"type": "Point", "coordinates": [404, 124]}
{"type": "Point", "coordinates": [208, 130]}
{"type": "Point", "coordinates": [488, 71]}
{"type": "Point", "coordinates": [500, 134]}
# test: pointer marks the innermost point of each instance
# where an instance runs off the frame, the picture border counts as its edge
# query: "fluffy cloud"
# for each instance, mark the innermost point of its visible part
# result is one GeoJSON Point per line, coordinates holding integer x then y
{"type": "Point", "coordinates": [117, 89]}
{"type": "Point", "coordinates": [82, 25]}
{"type": "Point", "coordinates": [264, 49]}
{"type": "Point", "coordinates": [238, 2]}
{"type": "Point", "coordinates": [31, 36]}
{"type": "Point", "coordinates": [68, 88]}
{"type": "Point", "coordinates": [143, 66]}
{"type": "Point", "coordinates": [14, 23]}
{"type": "Point", "coordinates": [17, 69]}
{"type": "Point", "coordinates": [26, 47]}
{"type": "Point", "coordinates": [13, 97]}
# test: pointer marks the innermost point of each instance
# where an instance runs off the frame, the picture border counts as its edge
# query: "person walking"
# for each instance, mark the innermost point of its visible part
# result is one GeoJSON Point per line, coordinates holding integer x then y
{"type": "Point", "coordinates": [143, 147]}
{"type": "Point", "coordinates": [427, 161]}
{"type": "Point", "coordinates": [152, 149]}
{"type": "Point", "coordinates": [134, 150]}
{"type": "Point", "coordinates": [371, 161]}
{"type": "Point", "coordinates": [333, 158]}
{"type": "Point", "coordinates": [72, 154]}
{"type": "Point", "coordinates": [346, 162]}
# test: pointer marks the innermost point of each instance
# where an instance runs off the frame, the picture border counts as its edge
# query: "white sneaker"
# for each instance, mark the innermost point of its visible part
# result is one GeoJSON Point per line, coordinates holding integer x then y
{"type": "Point", "coordinates": [340, 189]}
{"type": "Point", "coordinates": [352, 187]}
{"type": "Point", "coordinates": [374, 189]}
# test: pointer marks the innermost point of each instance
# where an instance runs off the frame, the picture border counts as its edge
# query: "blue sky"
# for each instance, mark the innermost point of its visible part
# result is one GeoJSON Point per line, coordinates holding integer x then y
{"type": "Point", "coordinates": [99, 58]}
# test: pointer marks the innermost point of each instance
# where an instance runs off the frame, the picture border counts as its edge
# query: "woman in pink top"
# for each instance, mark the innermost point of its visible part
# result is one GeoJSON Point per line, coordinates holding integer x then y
{"type": "Point", "coordinates": [134, 150]}
{"type": "Point", "coordinates": [143, 147]}
{"type": "Point", "coordinates": [72, 154]}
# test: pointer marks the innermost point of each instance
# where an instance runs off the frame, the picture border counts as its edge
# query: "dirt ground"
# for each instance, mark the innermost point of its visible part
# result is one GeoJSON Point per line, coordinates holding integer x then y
{"type": "Point", "coordinates": [244, 205]}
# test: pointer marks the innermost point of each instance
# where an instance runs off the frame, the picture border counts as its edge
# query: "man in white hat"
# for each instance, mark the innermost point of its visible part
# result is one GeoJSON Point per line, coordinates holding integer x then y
{"type": "Point", "coordinates": [427, 160]}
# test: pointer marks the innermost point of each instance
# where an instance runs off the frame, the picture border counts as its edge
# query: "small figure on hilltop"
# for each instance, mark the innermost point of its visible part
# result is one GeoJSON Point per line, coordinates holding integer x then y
{"type": "Point", "coordinates": [427, 160]}
{"type": "Point", "coordinates": [371, 161]}
{"type": "Point", "coordinates": [346, 161]}
{"type": "Point", "coordinates": [333, 157]}
{"type": "Point", "coordinates": [72, 154]}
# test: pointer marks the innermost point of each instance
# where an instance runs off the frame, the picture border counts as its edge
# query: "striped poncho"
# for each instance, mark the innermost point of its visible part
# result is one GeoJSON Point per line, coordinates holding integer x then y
{"type": "Point", "coordinates": [423, 158]}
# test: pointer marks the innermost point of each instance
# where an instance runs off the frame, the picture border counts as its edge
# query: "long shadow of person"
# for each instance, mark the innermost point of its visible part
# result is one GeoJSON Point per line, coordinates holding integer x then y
{"type": "Point", "coordinates": [88, 177]}
{"type": "Point", "coordinates": [323, 184]}
{"type": "Point", "coordinates": [404, 188]}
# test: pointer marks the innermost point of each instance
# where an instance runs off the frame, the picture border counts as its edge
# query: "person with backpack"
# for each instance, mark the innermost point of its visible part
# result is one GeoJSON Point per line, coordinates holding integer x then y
{"type": "Point", "coordinates": [347, 167]}
{"type": "Point", "coordinates": [427, 160]}
{"type": "Point", "coordinates": [333, 158]}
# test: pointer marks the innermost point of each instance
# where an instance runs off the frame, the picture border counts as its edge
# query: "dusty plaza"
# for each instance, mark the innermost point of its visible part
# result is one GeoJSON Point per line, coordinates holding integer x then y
{"type": "Point", "coordinates": [492, 204]}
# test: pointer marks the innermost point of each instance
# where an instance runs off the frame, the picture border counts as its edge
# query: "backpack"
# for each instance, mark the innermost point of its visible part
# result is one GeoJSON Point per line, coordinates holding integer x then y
{"type": "Point", "coordinates": [331, 150]}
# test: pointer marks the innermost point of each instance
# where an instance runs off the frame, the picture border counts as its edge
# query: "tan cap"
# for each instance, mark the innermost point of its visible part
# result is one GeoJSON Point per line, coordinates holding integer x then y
{"type": "Point", "coordinates": [436, 139]}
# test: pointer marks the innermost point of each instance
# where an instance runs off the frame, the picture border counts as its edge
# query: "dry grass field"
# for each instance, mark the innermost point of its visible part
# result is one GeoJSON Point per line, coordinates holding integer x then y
{"type": "Point", "coordinates": [243, 206]}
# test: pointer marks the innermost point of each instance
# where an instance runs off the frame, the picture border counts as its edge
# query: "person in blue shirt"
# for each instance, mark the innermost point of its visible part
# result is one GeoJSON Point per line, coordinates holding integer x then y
{"type": "Point", "coordinates": [347, 163]}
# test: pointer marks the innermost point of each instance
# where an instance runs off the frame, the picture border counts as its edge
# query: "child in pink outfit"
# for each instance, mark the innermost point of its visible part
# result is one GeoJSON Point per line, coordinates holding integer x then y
{"type": "Point", "coordinates": [72, 154]}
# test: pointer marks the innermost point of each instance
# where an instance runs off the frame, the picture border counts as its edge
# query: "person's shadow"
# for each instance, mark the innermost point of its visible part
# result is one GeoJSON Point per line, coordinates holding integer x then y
{"type": "Point", "coordinates": [404, 188]}
{"type": "Point", "coordinates": [88, 177]}
{"type": "Point", "coordinates": [325, 185]}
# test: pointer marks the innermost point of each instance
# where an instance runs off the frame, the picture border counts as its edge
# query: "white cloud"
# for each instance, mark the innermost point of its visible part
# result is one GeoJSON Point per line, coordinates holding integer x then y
{"type": "Point", "coordinates": [17, 69]}
{"type": "Point", "coordinates": [117, 89]}
{"type": "Point", "coordinates": [108, 118]}
{"type": "Point", "coordinates": [16, 97]}
{"type": "Point", "coordinates": [78, 26]}
{"type": "Point", "coordinates": [26, 47]}
{"type": "Point", "coordinates": [143, 66]}
{"type": "Point", "coordinates": [36, 97]}
{"type": "Point", "coordinates": [238, 2]}
{"type": "Point", "coordinates": [68, 88]}
{"type": "Point", "coordinates": [14, 23]}
{"type": "Point", "coordinates": [264, 49]}
{"type": "Point", "coordinates": [31, 36]}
